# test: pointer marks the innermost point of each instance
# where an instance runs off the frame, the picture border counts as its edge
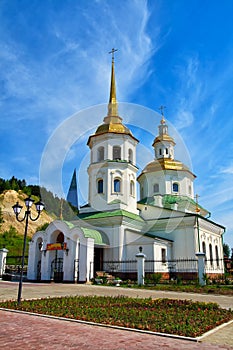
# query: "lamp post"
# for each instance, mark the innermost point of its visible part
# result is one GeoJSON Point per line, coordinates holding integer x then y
{"type": "Point", "coordinates": [17, 209]}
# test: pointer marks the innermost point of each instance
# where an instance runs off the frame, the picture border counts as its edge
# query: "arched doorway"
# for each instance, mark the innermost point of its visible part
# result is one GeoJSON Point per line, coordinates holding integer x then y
{"type": "Point", "coordinates": [57, 262]}
{"type": "Point", "coordinates": [38, 275]}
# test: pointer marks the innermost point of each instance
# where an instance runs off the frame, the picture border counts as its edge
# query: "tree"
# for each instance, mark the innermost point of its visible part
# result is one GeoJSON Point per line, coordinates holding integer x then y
{"type": "Point", "coordinates": [226, 250]}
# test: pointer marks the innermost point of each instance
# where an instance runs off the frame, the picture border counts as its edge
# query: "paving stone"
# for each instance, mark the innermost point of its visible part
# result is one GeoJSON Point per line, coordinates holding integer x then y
{"type": "Point", "coordinates": [21, 331]}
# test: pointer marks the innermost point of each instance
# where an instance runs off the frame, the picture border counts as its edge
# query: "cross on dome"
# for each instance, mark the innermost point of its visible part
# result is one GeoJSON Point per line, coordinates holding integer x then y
{"type": "Point", "coordinates": [161, 108]}
{"type": "Point", "coordinates": [112, 52]}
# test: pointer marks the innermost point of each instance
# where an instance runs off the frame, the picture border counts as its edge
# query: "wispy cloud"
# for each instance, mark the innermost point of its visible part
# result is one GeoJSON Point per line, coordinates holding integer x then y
{"type": "Point", "coordinates": [188, 92]}
{"type": "Point", "coordinates": [78, 59]}
{"type": "Point", "coordinates": [227, 170]}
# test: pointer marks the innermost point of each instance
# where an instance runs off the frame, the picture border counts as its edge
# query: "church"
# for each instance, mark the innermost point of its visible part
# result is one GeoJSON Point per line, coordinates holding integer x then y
{"type": "Point", "coordinates": [168, 225]}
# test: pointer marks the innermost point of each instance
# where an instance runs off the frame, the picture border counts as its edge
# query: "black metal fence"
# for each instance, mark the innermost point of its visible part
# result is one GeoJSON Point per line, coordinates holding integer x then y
{"type": "Point", "coordinates": [12, 267]}
{"type": "Point", "coordinates": [170, 269]}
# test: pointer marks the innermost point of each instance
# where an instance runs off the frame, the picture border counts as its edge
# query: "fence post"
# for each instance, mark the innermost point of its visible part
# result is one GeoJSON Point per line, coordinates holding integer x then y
{"type": "Point", "coordinates": [3, 255]}
{"type": "Point", "coordinates": [140, 266]}
{"type": "Point", "coordinates": [201, 268]}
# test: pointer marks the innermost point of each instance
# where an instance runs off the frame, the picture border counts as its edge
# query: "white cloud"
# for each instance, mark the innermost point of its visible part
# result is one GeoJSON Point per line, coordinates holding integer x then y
{"type": "Point", "coordinates": [75, 72]}
{"type": "Point", "coordinates": [227, 170]}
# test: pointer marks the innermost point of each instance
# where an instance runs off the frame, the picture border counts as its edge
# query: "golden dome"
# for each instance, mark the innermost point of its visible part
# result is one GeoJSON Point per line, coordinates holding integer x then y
{"type": "Point", "coordinates": [116, 128]}
{"type": "Point", "coordinates": [112, 123]}
{"type": "Point", "coordinates": [164, 137]}
{"type": "Point", "coordinates": [165, 164]}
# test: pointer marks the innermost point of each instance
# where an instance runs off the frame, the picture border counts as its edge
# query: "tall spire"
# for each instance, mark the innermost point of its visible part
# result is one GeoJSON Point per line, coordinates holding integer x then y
{"type": "Point", "coordinates": [112, 105]}
{"type": "Point", "coordinates": [72, 196]}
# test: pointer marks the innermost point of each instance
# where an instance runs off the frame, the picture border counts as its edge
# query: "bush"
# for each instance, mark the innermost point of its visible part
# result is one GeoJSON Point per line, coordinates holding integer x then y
{"type": "Point", "coordinates": [153, 278]}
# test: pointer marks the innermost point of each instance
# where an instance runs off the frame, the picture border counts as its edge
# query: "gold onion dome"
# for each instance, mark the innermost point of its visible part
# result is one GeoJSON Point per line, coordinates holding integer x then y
{"type": "Point", "coordinates": [163, 134]}
{"type": "Point", "coordinates": [165, 164]}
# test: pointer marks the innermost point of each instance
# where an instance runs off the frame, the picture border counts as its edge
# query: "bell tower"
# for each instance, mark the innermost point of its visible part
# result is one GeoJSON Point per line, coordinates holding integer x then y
{"type": "Point", "coordinates": [165, 175]}
{"type": "Point", "coordinates": [163, 144]}
{"type": "Point", "coordinates": [112, 170]}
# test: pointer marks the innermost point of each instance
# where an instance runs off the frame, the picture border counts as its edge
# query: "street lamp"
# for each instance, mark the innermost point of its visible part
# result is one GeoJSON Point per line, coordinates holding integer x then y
{"type": "Point", "coordinates": [17, 209]}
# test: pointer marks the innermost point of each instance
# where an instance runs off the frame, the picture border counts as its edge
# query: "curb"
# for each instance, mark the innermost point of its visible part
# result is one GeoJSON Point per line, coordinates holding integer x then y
{"type": "Point", "coordinates": [201, 337]}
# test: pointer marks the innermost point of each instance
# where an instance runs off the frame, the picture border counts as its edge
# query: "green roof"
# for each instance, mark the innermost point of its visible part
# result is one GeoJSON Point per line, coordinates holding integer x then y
{"type": "Point", "coordinates": [69, 224]}
{"type": "Point", "coordinates": [170, 199]}
{"type": "Point", "coordinates": [152, 234]}
{"type": "Point", "coordinates": [99, 237]}
{"type": "Point", "coordinates": [105, 214]}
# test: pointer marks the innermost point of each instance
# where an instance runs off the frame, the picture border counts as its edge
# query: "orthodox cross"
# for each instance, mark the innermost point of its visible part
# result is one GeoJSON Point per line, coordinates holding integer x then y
{"type": "Point", "coordinates": [197, 208]}
{"type": "Point", "coordinates": [112, 52]}
{"type": "Point", "coordinates": [161, 108]}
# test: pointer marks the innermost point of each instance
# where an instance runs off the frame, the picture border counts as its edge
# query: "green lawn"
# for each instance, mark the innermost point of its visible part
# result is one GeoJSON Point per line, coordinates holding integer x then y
{"type": "Point", "coordinates": [189, 288]}
{"type": "Point", "coordinates": [181, 317]}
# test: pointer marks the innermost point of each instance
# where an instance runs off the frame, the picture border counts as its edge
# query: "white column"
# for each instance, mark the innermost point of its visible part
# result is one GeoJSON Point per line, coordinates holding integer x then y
{"type": "Point", "coordinates": [3, 255]}
{"type": "Point", "coordinates": [31, 262]}
{"type": "Point", "coordinates": [46, 265]}
{"type": "Point", "coordinates": [141, 266]}
{"type": "Point", "coordinates": [69, 256]}
{"type": "Point", "coordinates": [86, 259]}
{"type": "Point", "coordinates": [201, 268]}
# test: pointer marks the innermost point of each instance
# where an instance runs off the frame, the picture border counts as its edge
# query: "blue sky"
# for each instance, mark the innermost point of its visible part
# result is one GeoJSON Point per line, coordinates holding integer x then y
{"type": "Point", "coordinates": [54, 67]}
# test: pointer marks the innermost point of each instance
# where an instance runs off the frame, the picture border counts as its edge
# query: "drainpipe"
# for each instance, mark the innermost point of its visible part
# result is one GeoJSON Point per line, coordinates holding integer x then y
{"type": "Point", "coordinates": [198, 233]}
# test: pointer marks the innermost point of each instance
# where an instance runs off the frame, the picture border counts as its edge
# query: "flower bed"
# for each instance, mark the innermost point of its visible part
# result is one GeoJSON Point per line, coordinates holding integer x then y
{"type": "Point", "coordinates": [181, 317]}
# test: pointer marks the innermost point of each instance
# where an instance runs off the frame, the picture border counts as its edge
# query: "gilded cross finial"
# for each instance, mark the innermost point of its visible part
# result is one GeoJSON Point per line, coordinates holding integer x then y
{"type": "Point", "coordinates": [112, 52]}
{"type": "Point", "coordinates": [161, 108]}
{"type": "Point", "coordinates": [197, 207]}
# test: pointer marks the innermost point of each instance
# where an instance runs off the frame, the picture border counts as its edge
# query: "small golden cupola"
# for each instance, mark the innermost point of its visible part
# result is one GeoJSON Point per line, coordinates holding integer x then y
{"type": "Point", "coordinates": [163, 144]}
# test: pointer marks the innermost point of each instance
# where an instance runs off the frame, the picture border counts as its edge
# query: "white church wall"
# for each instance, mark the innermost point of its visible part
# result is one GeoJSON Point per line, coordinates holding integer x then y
{"type": "Point", "coordinates": [165, 180]}
{"type": "Point", "coordinates": [108, 172]}
{"type": "Point", "coordinates": [184, 246]}
{"type": "Point", "coordinates": [108, 141]}
{"type": "Point", "coordinates": [35, 255]}
{"type": "Point", "coordinates": [31, 271]}
{"type": "Point", "coordinates": [211, 245]}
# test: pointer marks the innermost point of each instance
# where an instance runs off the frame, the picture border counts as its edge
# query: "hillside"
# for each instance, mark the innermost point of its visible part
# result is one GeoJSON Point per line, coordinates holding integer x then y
{"type": "Point", "coordinates": [7, 199]}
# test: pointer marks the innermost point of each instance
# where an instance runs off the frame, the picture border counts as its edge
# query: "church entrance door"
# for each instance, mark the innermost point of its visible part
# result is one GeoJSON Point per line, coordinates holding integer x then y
{"type": "Point", "coordinates": [98, 259]}
{"type": "Point", "coordinates": [38, 277]}
{"type": "Point", "coordinates": [57, 270]}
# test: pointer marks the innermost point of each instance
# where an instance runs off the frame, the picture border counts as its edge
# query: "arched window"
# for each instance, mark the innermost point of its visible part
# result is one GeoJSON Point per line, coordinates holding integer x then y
{"type": "Point", "coordinates": [203, 247]}
{"type": "Point", "coordinates": [163, 253]}
{"type": "Point", "coordinates": [100, 153]}
{"type": "Point", "coordinates": [116, 154]}
{"type": "Point", "coordinates": [130, 156]}
{"type": "Point", "coordinates": [156, 188]}
{"type": "Point", "coordinates": [166, 150]}
{"type": "Point", "coordinates": [175, 187]}
{"type": "Point", "coordinates": [190, 189]}
{"type": "Point", "coordinates": [211, 254]}
{"type": "Point", "coordinates": [216, 255]}
{"type": "Point", "coordinates": [100, 185]}
{"type": "Point", "coordinates": [131, 188]}
{"type": "Point", "coordinates": [117, 185]}
{"type": "Point", "coordinates": [160, 152]}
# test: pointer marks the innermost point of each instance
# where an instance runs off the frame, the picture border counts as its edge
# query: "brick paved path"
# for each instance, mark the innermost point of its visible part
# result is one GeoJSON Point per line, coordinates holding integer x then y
{"type": "Point", "coordinates": [21, 331]}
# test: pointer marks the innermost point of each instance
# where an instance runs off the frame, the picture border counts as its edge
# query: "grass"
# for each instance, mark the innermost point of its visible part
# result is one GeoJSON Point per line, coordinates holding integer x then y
{"type": "Point", "coordinates": [180, 317]}
{"type": "Point", "coordinates": [189, 288]}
